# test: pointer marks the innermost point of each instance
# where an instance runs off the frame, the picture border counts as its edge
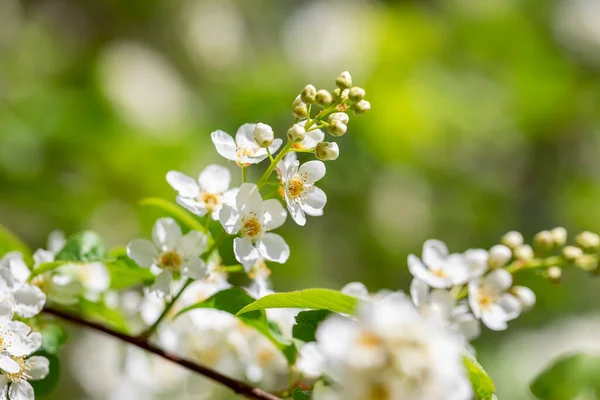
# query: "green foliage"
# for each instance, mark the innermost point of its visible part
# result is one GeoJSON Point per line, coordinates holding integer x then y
{"type": "Point", "coordinates": [9, 242]}
{"type": "Point", "coordinates": [568, 378]}
{"type": "Point", "coordinates": [85, 246]}
{"type": "Point", "coordinates": [482, 383]}
{"type": "Point", "coordinates": [178, 213]}
{"type": "Point", "coordinates": [315, 299]}
{"type": "Point", "coordinates": [300, 394]}
{"type": "Point", "coordinates": [98, 311]}
{"type": "Point", "coordinates": [307, 323]}
{"type": "Point", "coordinates": [124, 272]}
{"type": "Point", "coordinates": [53, 337]}
{"type": "Point", "coordinates": [48, 384]}
{"type": "Point", "coordinates": [235, 299]}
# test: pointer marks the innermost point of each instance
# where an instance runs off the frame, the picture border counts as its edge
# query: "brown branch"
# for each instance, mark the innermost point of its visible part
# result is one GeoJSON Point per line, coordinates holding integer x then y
{"type": "Point", "coordinates": [238, 387]}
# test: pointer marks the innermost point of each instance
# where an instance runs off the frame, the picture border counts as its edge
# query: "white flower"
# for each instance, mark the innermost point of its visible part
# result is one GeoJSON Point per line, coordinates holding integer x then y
{"type": "Point", "coordinates": [27, 300]}
{"type": "Point", "coordinates": [17, 344]}
{"type": "Point", "coordinates": [312, 138]}
{"type": "Point", "coordinates": [390, 352]}
{"type": "Point", "coordinates": [208, 194]}
{"type": "Point", "coordinates": [253, 218]}
{"type": "Point", "coordinates": [243, 150]}
{"type": "Point", "coordinates": [301, 194]}
{"type": "Point", "coordinates": [439, 269]}
{"type": "Point", "coordinates": [490, 302]}
{"type": "Point", "coordinates": [171, 254]}
{"type": "Point", "coordinates": [440, 303]}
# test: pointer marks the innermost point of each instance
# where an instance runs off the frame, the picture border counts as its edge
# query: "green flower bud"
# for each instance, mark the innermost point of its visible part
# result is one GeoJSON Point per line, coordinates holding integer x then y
{"type": "Point", "coordinates": [559, 234]}
{"type": "Point", "coordinates": [339, 116]}
{"type": "Point", "coordinates": [296, 133]}
{"type": "Point", "coordinates": [263, 134]}
{"type": "Point", "coordinates": [344, 81]}
{"type": "Point", "coordinates": [554, 274]}
{"type": "Point", "coordinates": [299, 109]}
{"type": "Point", "coordinates": [324, 98]}
{"type": "Point", "coordinates": [309, 94]}
{"type": "Point", "coordinates": [336, 94]}
{"type": "Point", "coordinates": [356, 94]}
{"type": "Point", "coordinates": [361, 107]}
{"type": "Point", "coordinates": [326, 151]}
{"type": "Point", "coordinates": [512, 239]}
{"type": "Point", "coordinates": [587, 262]}
{"type": "Point", "coordinates": [337, 128]}
{"type": "Point", "coordinates": [524, 252]}
{"type": "Point", "coordinates": [588, 240]}
{"type": "Point", "coordinates": [571, 253]}
{"type": "Point", "coordinates": [543, 240]}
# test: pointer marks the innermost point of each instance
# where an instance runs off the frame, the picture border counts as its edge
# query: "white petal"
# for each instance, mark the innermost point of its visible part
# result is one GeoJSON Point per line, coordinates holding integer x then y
{"type": "Point", "coordinates": [95, 277]}
{"type": "Point", "coordinates": [29, 301]}
{"type": "Point", "coordinates": [42, 256]}
{"type": "Point", "coordinates": [244, 251]}
{"type": "Point", "coordinates": [20, 271]}
{"type": "Point", "coordinates": [192, 205]}
{"type": "Point", "coordinates": [313, 212]}
{"type": "Point", "coordinates": [274, 214]}
{"type": "Point", "coordinates": [511, 306]}
{"type": "Point", "coordinates": [6, 308]}
{"type": "Point", "coordinates": [273, 248]}
{"type": "Point", "coordinates": [244, 137]}
{"type": "Point", "coordinates": [418, 270]}
{"type": "Point", "coordinates": [296, 212]}
{"type": "Point", "coordinates": [215, 178]}
{"type": "Point", "coordinates": [224, 144]}
{"type": "Point", "coordinates": [275, 145]}
{"type": "Point", "coordinates": [313, 170]}
{"type": "Point", "coordinates": [185, 185]}
{"type": "Point", "coordinates": [229, 196]}
{"type": "Point", "coordinates": [21, 390]}
{"type": "Point", "coordinates": [478, 262]}
{"type": "Point", "coordinates": [9, 365]}
{"type": "Point", "coordinates": [230, 219]}
{"type": "Point", "coordinates": [473, 287]}
{"type": "Point", "coordinates": [434, 253]}
{"type": "Point", "coordinates": [283, 165]}
{"type": "Point", "coordinates": [248, 199]}
{"type": "Point", "coordinates": [142, 251]}
{"type": "Point", "coordinates": [166, 234]}
{"type": "Point", "coordinates": [468, 326]}
{"type": "Point", "coordinates": [494, 317]}
{"type": "Point", "coordinates": [419, 292]}
{"type": "Point", "coordinates": [457, 269]}
{"type": "Point", "coordinates": [193, 244]}
{"type": "Point", "coordinates": [162, 284]}
{"type": "Point", "coordinates": [40, 367]}
{"type": "Point", "coordinates": [499, 280]}
{"type": "Point", "coordinates": [442, 303]}
{"type": "Point", "coordinates": [525, 295]}
{"type": "Point", "coordinates": [195, 269]}
{"type": "Point", "coordinates": [312, 139]}
{"type": "Point", "coordinates": [56, 241]}
{"type": "Point", "coordinates": [3, 387]}
{"type": "Point", "coordinates": [316, 198]}
{"type": "Point", "coordinates": [356, 289]}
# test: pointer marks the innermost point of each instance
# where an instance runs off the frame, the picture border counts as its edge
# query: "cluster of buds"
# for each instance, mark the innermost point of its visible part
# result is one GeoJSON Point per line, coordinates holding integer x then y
{"type": "Point", "coordinates": [333, 115]}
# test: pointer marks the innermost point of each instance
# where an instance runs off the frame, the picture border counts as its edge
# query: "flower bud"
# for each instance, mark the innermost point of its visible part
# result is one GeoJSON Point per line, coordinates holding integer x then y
{"type": "Point", "coordinates": [309, 94]}
{"type": "Point", "coordinates": [554, 274]}
{"type": "Point", "coordinates": [543, 240]}
{"type": "Point", "coordinates": [263, 134]}
{"type": "Point", "coordinates": [326, 151]}
{"type": "Point", "coordinates": [361, 107]}
{"type": "Point", "coordinates": [323, 98]}
{"type": "Point", "coordinates": [344, 80]}
{"type": "Point", "coordinates": [587, 262]}
{"type": "Point", "coordinates": [337, 92]}
{"type": "Point", "coordinates": [356, 94]}
{"type": "Point", "coordinates": [296, 133]}
{"type": "Point", "coordinates": [512, 239]}
{"type": "Point", "coordinates": [299, 109]}
{"type": "Point", "coordinates": [337, 128]}
{"type": "Point", "coordinates": [344, 95]}
{"type": "Point", "coordinates": [339, 116]}
{"type": "Point", "coordinates": [524, 252]}
{"type": "Point", "coordinates": [499, 255]}
{"type": "Point", "coordinates": [588, 240]}
{"type": "Point", "coordinates": [525, 295]}
{"type": "Point", "coordinates": [559, 234]}
{"type": "Point", "coordinates": [570, 253]}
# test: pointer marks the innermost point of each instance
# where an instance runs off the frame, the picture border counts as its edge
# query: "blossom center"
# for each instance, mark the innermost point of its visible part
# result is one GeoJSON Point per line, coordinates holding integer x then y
{"type": "Point", "coordinates": [251, 227]}
{"type": "Point", "coordinates": [439, 273]}
{"type": "Point", "coordinates": [486, 298]}
{"type": "Point", "coordinates": [369, 340]}
{"type": "Point", "coordinates": [211, 200]}
{"type": "Point", "coordinates": [23, 372]}
{"type": "Point", "coordinates": [297, 188]}
{"type": "Point", "coordinates": [170, 260]}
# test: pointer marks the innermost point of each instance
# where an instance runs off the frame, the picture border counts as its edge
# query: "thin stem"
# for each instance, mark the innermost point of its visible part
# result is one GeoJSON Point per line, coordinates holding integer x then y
{"type": "Point", "coordinates": [150, 331]}
{"type": "Point", "coordinates": [274, 163]}
{"type": "Point", "coordinates": [244, 174]}
{"type": "Point", "coordinates": [269, 154]}
{"type": "Point", "coordinates": [239, 387]}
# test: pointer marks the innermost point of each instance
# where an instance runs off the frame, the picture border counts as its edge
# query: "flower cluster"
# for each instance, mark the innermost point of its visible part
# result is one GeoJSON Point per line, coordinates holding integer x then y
{"type": "Point", "coordinates": [18, 364]}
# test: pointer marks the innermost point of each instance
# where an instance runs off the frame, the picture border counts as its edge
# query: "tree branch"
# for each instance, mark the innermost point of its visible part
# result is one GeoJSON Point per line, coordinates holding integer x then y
{"type": "Point", "coordinates": [238, 387]}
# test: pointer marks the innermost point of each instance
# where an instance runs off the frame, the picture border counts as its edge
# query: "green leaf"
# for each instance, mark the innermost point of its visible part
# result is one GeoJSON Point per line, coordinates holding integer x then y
{"type": "Point", "coordinates": [480, 380]}
{"type": "Point", "coordinates": [173, 210]}
{"type": "Point", "coordinates": [315, 299]}
{"type": "Point", "coordinates": [84, 246]}
{"type": "Point", "coordinates": [53, 338]}
{"type": "Point", "coordinates": [568, 378]}
{"type": "Point", "coordinates": [98, 311]}
{"type": "Point", "coordinates": [9, 242]}
{"type": "Point", "coordinates": [124, 272]}
{"type": "Point", "coordinates": [300, 394]}
{"type": "Point", "coordinates": [307, 323]}
{"type": "Point", "coordinates": [232, 301]}
{"type": "Point", "coordinates": [49, 383]}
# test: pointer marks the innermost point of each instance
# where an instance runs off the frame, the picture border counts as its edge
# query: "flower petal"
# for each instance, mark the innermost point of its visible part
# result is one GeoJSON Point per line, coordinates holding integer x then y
{"type": "Point", "coordinates": [195, 269]}
{"type": "Point", "coordinates": [215, 178]}
{"type": "Point", "coordinates": [313, 212]}
{"type": "Point", "coordinates": [29, 300]}
{"type": "Point", "coordinates": [192, 205]}
{"type": "Point", "coordinates": [477, 259]}
{"type": "Point", "coordinates": [248, 199]}
{"type": "Point", "coordinates": [313, 170]}
{"type": "Point", "coordinates": [9, 365]}
{"type": "Point", "coordinates": [142, 251]}
{"type": "Point", "coordinates": [244, 137]}
{"type": "Point", "coordinates": [275, 145]}
{"type": "Point", "coordinates": [525, 295]}
{"type": "Point", "coordinates": [418, 270]}
{"type": "Point", "coordinates": [468, 326]}
{"type": "Point", "coordinates": [316, 198]}
{"type": "Point", "coordinates": [274, 214]}
{"type": "Point", "coordinates": [245, 252]}
{"type": "Point", "coordinates": [39, 367]}
{"type": "Point", "coordinates": [230, 219]}
{"type": "Point", "coordinates": [312, 138]}
{"type": "Point", "coordinates": [419, 292]}
{"type": "Point", "coordinates": [95, 277]}
{"type": "Point", "coordinates": [185, 185]}
{"type": "Point", "coordinates": [356, 289]}
{"type": "Point", "coordinates": [283, 165]}
{"type": "Point", "coordinates": [511, 306]}
{"type": "Point", "coordinates": [21, 390]}
{"type": "Point", "coordinates": [166, 234]}
{"type": "Point", "coordinates": [193, 244]}
{"type": "Point", "coordinates": [162, 284]}
{"type": "Point", "coordinates": [224, 144]}
{"type": "Point", "coordinates": [499, 280]}
{"type": "Point", "coordinates": [434, 253]}
{"type": "Point", "coordinates": [56, 241]}
{"type": "Point", "coordinates": [296, 212]}
{"type": "Point", "coordinates": [274, 248]}
{"type": "Point", "coordinates": [42, 256]}
{"type": "Point", "coordinates": [494, 317]}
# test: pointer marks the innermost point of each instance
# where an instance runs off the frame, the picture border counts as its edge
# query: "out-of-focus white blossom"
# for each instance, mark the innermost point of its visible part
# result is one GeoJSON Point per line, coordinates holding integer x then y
{"type": "Point", "coordinates": [301, 194]}
{"type": "Point", "coordinates": [437, 268]}
{"type": "Point", "coordinates": [243, 150]}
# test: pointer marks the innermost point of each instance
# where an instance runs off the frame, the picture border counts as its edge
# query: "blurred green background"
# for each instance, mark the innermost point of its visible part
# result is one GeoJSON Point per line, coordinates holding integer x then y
{"type": "Point", "coordinates": [485, 118]}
